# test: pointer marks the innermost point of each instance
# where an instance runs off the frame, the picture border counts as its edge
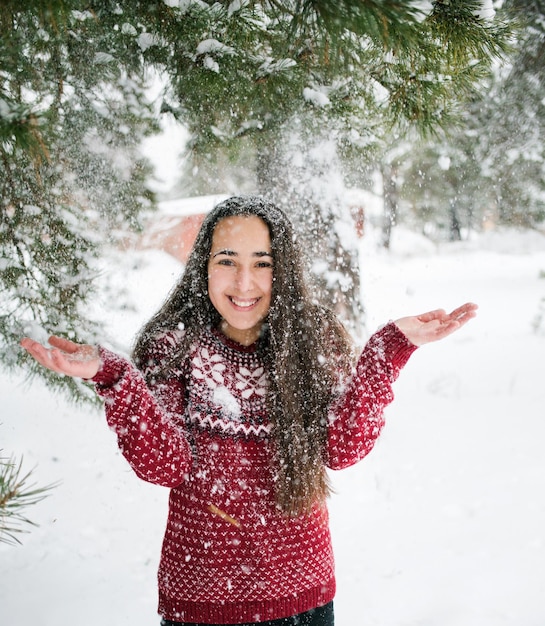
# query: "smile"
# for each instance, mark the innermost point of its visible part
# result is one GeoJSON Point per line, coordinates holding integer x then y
{"type": "Point", "coordinates": [244, 304]}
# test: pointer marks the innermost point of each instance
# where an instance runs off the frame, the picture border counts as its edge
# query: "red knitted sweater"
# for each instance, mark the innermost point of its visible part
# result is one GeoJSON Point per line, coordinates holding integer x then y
{"type": "Point", "coordinates": [229, 555]}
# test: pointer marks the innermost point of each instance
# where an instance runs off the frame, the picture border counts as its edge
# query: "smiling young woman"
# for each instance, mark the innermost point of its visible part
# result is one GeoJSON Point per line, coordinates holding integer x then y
{"type": "Point", "coordinates": [241, 392]}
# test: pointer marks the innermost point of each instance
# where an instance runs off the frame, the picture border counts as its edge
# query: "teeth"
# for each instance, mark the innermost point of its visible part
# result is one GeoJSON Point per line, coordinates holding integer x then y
{"type": "Point", "coordinates": [243, 303]}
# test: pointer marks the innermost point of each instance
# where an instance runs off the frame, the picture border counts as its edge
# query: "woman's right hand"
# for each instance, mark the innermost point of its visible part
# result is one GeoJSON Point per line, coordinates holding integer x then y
{"type": "Point", "coordinates": [65, 356]}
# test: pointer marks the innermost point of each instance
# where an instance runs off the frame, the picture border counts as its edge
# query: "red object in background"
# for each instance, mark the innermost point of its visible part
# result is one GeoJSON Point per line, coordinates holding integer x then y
{"type": "Point", "coordinates": [174, 227]}
{"type": "Point", "coordinates": [176, 235]}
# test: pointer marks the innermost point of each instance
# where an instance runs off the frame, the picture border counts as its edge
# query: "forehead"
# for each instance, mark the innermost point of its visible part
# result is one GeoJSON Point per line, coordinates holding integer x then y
{"type": "Point", "coordinates": [241, 231]}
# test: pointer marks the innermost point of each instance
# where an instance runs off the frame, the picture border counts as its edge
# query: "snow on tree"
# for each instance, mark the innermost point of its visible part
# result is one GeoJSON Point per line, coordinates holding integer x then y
{"type": "Point", "coordinates": [488, 169]}
{"type": "Point", "coordinates": [246, 76]}
{"type": "Point", "coordinates": [73, 112]}
{"type": "Point", "coordinates": [344, 79]}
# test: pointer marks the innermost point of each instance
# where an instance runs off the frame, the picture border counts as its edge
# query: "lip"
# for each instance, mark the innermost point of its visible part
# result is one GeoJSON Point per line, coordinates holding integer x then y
{"type": "Point", "coordinates": [243, 304]}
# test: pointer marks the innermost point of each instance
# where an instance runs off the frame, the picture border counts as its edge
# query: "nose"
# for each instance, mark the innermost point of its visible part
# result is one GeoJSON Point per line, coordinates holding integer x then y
{"type": "Point", "coordinates": [244, 279]}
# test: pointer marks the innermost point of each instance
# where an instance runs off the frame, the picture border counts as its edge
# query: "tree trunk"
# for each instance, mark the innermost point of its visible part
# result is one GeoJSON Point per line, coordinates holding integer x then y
{"type": "Point", "coordinates": [391, 202]}
{"type": "Point", "coordinates": [455, 231]}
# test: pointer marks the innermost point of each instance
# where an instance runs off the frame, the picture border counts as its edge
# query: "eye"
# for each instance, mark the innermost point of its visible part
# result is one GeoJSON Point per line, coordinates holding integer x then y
{"type": "Point", "coordinates": [228, 262]}
{"type": "Point", "coordinates": [264, 264]}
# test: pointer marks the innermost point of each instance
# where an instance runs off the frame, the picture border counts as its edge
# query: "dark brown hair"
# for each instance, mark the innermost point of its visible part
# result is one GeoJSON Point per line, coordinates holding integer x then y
{"type": "Point", "coordinates": [308, 349]}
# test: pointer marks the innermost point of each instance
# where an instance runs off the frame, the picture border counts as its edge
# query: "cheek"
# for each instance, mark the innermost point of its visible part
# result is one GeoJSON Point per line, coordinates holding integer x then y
{"type": "Point", "coordinates": [213, 284]}
{"type": "Point", "coordinates": [268, 291]}
{"type": "Point", "coordinates": [214, 279]}
{"type": "Point", "coordinates": [270, 284]}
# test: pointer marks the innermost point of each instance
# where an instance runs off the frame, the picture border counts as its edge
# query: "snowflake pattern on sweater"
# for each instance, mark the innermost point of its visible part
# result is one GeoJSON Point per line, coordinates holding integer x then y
{"type": "Point", "coordinates": [227, 396]}
{"type": "Point", "coordinates": [229, 555]}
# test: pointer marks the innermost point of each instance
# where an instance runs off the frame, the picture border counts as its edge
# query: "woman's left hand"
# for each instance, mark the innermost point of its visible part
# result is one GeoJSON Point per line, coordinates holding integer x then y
{"type": "Point", "coordinates": [435, 325]}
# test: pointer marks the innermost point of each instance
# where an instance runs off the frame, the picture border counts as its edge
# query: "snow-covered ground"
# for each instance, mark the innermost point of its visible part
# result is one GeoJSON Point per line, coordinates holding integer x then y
{"type": "Point", "coordinates": [442, 525]}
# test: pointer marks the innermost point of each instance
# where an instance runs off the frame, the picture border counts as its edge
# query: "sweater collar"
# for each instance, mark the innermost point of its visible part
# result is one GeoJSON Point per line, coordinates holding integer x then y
{"type": "Point", "coordinates": [231, 343]}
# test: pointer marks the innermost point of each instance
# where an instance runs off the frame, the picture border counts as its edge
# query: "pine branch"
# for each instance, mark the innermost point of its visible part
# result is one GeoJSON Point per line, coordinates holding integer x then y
{"type": "Point", "coordinates": [20, 128]}
{"type": "Point", "coordinates": [74, 108]}
{"type": "Point", "coordinates": [16, 495]}
{"type": "Point", "coordinates": [463, 35]}
{"type": "Point", "coordinates": [390, 23]}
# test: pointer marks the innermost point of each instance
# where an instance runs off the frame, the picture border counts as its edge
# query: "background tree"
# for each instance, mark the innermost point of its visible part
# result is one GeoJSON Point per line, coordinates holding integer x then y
{"type": "Point", "coordinates": [73, 113]}
{"type": "Point", "coordinates": [513, 154]}
{"type": "Point", "coordinates": [490, 169]}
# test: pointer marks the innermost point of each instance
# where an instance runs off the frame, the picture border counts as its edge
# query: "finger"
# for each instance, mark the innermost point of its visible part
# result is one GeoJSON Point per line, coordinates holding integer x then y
{"type": "Point", "coordinates": [430, 316]}
{"type": "Point", "coordinates": [58, 357]}
{"type": "Point", "coordinates": [41, 354]}
{"type": "Point", "coordinates": [448, 327]}
{"type": "Point", "coordinates": [82, 362]}
{"type": "Point", "coordinates": [467, 309]}
{"type": "Point", "coordinates": [464, 314]}
{"type": "Point", "coordinates": [63, 344]}
{"type": "Point", "coordinates": [34, 348]}
{"type": "Point", "coordinates": [28, 344]}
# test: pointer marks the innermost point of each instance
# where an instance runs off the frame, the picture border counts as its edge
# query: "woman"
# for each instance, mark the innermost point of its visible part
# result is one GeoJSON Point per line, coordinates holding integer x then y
{"type": "Point", "coordinates": [243, 390]}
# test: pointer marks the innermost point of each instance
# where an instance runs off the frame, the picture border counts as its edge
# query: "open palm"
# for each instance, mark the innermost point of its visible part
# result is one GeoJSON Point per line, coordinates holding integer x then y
{"type": "Point", "coordinates": [65, 356]}
{"type": "Point", "coordinates": [435, 325]}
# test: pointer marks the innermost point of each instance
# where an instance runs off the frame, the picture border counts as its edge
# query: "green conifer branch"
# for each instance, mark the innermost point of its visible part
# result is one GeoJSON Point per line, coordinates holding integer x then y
{"type": "Point", "coordinates": [16, 495]}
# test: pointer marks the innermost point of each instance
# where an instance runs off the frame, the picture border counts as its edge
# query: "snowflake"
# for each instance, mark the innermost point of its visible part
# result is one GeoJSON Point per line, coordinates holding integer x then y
{"type": "Point", "coordinates": [208, 368]}
{"type": "Point", "coordinates": [250, 383]}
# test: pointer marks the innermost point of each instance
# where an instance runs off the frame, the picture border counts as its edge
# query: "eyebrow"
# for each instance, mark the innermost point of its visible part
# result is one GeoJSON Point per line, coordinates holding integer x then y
{"type": "Point", "coordinates": [228, 252]}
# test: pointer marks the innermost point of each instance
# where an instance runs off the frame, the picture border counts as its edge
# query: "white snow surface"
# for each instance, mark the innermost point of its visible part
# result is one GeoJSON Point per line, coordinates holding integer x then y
{"type": "Point", "coordinates": [442, 524]}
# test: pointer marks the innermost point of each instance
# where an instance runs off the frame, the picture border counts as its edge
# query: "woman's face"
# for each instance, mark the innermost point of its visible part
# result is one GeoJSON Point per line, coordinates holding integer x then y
{"type": "Point", "coordinates": [240, 275]}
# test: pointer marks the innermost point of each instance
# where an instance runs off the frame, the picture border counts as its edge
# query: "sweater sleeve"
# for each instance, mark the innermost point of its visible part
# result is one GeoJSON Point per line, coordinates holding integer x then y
{"type": "Point", "coordinates": [356, 417]}
{"type": "Point", "coordinates": [149, 435]}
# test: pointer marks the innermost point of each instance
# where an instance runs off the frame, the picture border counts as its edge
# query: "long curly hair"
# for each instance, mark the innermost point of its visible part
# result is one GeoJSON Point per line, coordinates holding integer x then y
{"type": "Point", "coordinates": [307, 349]}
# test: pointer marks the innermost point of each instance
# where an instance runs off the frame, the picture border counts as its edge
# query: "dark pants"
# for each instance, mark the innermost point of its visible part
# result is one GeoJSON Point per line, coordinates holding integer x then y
{"type": "Point", "coordinates": [321, 616]}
